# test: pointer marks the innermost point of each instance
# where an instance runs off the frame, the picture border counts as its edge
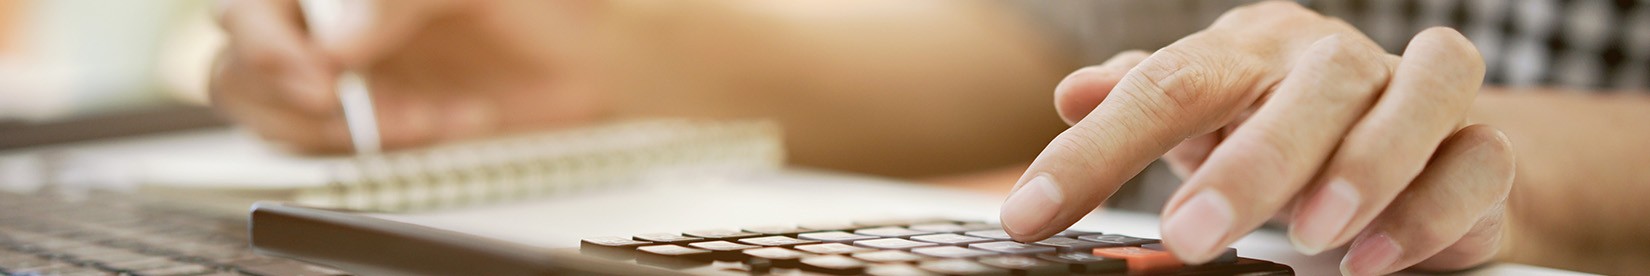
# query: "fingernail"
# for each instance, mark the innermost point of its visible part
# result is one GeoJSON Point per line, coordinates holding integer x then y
{"type": "Point", "coordinates": [1194, 231]}
{"type": "Point", "coordinates": [1029, 209]}
{"type": "Point", "coordinates": [1371, 256]}
{"type": "Point", "coordinates": [1324, 216]}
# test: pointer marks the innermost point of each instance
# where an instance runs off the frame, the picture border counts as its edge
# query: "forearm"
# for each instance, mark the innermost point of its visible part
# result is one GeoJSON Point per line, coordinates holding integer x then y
{"type": "Point", "coordinates": [1583, 176]}
{"type": "Point", "coordinates": [905, 88]}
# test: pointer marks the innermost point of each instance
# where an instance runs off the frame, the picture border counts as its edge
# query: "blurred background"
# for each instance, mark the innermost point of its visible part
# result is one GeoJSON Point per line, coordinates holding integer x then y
{"type": "Point", "coordinates": [61, 59]}
{"type": "Point", "coordinates": [66, 58]}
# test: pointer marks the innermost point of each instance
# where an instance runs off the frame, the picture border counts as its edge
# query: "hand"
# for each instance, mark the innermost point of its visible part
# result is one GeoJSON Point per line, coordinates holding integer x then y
{"type": "Point", "coordinates": [437, 69]}
{"type": "Point", "coordinates": [1276, 109]}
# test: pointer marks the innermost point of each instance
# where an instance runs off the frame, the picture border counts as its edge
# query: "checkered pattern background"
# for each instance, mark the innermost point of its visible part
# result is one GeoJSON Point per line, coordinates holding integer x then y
{"type": "Point", "coordinates": [1589, 44]}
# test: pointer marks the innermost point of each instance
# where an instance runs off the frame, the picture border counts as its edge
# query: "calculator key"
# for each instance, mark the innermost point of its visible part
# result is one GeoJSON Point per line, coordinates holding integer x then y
{"type": "Point", "coordinates": [1011, 247]}
{"type": "Point", "coordinates": [940, 227]}
{"type": "Point", "coordinates": [890, 232]}
{"type": "Point", "coordinates": [960, 267]}
{"type": "Point", "coordinates": [833, 264]}
{"type": "Point", "coordinates": [831, 248]}
{"type": "Point", "coordinates": [975, 226]}
{"type": "Point", "coordinates": [1116, 240]}
{"type": "Point", "coordinates": [788, 230]}
{"type": "Point", "coordinates": [676, 251]}
{"type": "Point", "coordinates": [896, 269]}
{"type": "Point", "coordinates": [834, 236]}
{"type": "Point", "coordinates": [759, 266]}
{"type": "Point", "coordinates": [619, 242]}
{"type": "Point", "coordinates": [668, 238]}
{"type": "Point", "coordinates": [1064, 244]}
{"type": "Point", "coordinates": [893, 221]}
{"type": "Point", "coordinates": [612, 247]}
{"type": "Point", "coordinates": [781, 241]}
{"type": "Point", "coordinates": [724, 250]}
{"type": "Point", "coordinates": [888, 256]}
{"type": "Point", "coordinates": [1225, 257]}
{"type": "Point", "coordinates": [995, 234]}
{"type": "Point", "coordinates": [720, 234]}
{"type": "Point", "coordinates": [1025, 265]}
{"type": "Point", "coordinates": [950, 252]}
{"type": "Point", "coordinates": [826, 226]}
{"type": "Point", "coordinates": [1141, 260]}
{"type": "Point", "coordinates": [950, 239]}
{"type": "Point", "coordinates": [1075, 233]}
{"type": "Point", "coordinates": [778, 257]}
{"type": "Point", "coordinates": [892, 243]}
{"type": "Point", "coordinates": [721, 246]}
{"type": "Point", "coordinates": [1085, 263]}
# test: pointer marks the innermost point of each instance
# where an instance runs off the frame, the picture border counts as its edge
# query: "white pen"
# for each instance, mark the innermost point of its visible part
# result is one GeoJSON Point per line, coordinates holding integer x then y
{"type": "Point", "coordinates": [322, 17]}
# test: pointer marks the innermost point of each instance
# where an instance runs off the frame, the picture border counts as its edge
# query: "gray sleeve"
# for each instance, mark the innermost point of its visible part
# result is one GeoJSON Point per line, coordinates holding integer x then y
{"type": "Point", "coordinates": [1096, 30]}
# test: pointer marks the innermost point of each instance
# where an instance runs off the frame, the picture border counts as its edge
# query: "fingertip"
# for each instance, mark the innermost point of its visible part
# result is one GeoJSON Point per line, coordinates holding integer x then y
{"type": "Point", "coordinates": [1028, 210]}
{"type": "Point", "coordinates": [1195, 231]}
{"type": "Point", "coordinates": [1373, 254]}
{"type": "Point", "coordinates": [1443, 43]}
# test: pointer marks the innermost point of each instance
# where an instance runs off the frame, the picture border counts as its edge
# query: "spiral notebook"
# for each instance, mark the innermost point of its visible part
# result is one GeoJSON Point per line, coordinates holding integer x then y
{"type": "Point", "coordinates": [496, 170]}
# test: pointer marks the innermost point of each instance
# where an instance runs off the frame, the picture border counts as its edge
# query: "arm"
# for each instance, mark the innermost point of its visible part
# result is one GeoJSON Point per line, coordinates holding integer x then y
{"type": "Point", "coordinates": [1582, 180]}
{"type": "Point", "coordinates": [907, 88]}
{"type": "Point", "coordinates": [893, 88]}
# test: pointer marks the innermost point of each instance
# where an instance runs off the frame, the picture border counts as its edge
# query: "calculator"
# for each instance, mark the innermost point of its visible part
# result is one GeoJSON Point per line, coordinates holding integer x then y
{"type": "Point", "coordinates": [367, 245]}
{"type": "Point", "coordinates": [907, 247]}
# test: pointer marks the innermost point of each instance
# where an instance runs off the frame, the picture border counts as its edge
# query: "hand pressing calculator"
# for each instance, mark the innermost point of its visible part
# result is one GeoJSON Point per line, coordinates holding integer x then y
{"type": "Point", "coordinates": [907, 247]}
{"type": "Point", "coordinates": [373, 246]}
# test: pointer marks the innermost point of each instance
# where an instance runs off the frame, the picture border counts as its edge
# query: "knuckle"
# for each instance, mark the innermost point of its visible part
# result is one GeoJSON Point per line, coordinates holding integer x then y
{"type": "Point", "coordinates": [1336, 61]}
{"type": "Point", "coordinates": [1351, 56]}
{"type": "Point", "coordinates": [1181, 79]}
{"type": "Point", "coordinates": [1446, 43]}
{"type": "Point", "coordinates": [262, 60]}
{"type": "Point", "coordinates": [1173, 76]}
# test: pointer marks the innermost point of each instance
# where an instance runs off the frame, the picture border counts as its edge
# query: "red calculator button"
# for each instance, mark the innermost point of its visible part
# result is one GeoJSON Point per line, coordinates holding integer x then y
{"type": "Point", "coordinates": [1141, 260]}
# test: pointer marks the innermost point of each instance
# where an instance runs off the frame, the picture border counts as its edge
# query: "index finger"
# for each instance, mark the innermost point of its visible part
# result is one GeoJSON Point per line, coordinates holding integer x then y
{"type": "Point", "coordinates": [1172, 95]}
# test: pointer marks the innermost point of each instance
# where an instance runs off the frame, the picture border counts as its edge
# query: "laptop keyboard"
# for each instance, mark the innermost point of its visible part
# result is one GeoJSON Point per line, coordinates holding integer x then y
{"type": "Point", "coordinates": [908, 247]}
{"type": "Point", "coordinates": [112, 234]}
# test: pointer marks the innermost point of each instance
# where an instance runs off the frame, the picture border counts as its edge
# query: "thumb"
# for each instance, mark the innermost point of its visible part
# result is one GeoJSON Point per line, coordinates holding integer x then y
{"type": "Point", "coordinates": [1081, 91]}
{"type": "Point", "coordinates": [356, 32]}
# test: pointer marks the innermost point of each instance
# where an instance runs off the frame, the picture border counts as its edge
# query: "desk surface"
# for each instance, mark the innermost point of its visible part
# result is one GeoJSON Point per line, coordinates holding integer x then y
{"type": "Point", "coordinates": [806, 196]}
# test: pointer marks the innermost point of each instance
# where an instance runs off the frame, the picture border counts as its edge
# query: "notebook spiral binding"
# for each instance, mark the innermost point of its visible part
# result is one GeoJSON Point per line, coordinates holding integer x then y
{"type": "Point", "coordinates": [544, 165]}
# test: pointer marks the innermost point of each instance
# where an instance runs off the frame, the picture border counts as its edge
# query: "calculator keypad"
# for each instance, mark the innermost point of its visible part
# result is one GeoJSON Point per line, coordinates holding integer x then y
{"type": "Point", "coordinates": [908, 247]}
